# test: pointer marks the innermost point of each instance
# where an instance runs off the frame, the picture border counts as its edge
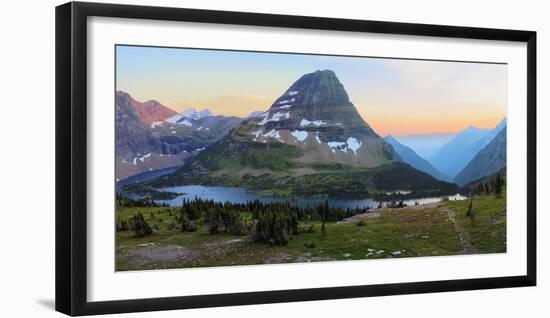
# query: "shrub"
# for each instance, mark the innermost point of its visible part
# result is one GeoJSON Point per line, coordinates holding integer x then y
{"type": "Point", "coordinates": [310, 229]}
{"type": "Point", "coordinates": [173, 225]}
{"type": "Point", "coordinates": [187, 225]}
{"type": "Point", "coordinates": [361, 223]}
{"type": "Point", "coordinates": [122, 225]}
{"type": "Point", "coordinates": [140, 227]}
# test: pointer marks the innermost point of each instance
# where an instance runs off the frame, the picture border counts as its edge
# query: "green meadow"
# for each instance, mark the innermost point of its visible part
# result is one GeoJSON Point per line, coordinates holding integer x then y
{"type": "Point", "coordinates": [444, 228]}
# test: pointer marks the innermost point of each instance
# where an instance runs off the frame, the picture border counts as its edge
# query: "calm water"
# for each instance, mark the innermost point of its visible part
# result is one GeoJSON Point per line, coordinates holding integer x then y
{"type": "Point", "coordinates": [238, 195]}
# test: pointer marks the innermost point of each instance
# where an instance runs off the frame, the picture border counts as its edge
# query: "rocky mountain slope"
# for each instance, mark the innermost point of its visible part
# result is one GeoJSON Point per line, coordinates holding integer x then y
{"type": "Point", "coordinates": [488, 161]}
{"type": "Point", "coordinates": [145, 140]}
{"type": "Point", "coordinates": [456, 154]}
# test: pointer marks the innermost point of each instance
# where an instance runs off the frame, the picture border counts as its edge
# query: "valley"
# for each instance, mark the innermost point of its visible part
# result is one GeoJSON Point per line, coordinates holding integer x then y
{"type": "Point", "coordinates": [306, 180]}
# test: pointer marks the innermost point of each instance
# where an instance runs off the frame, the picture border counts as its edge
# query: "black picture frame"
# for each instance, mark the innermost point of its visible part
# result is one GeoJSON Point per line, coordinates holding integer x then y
{"type": "Point", "coordinates": [71, 157]}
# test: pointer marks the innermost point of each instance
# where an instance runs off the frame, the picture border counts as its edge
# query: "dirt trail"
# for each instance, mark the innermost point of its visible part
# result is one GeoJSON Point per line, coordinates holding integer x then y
{"type": "Point", "coordinates": [464, 237]}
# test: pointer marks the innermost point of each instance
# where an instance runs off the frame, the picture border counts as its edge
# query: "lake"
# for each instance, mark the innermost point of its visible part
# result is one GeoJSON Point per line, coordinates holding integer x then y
{"type": "Point", "coordinates": [238, 195]}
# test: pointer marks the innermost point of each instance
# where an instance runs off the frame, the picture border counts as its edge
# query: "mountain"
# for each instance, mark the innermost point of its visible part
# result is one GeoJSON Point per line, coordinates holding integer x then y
{"type": "Point", "coordinates": [148, 112]}
{"type": "Point", "coordinates": [410, 157]}
{"type": "Point", "coordinates": [137, 149]}
{"type": "Point", "coordinates": [491, 134]}
{"type": "Point", "coordinates": [146, 141]}
{"type": "Point", "coordinates": [486, 162]}
{"type": "Point", "coordinates": [189, 113]}
{"type": "Point", "coordinates": [132, 133]}
{"type": "Point", "coordinates": [311, 141]}
{"type": "Point", "coordinates": [425, 145]}
{"type": "Point", "coordinates": [255, 114]}
{"type": "Point", "coordinates": [456, 154]}
{"type": "Point", "coordinates": [316, 116]}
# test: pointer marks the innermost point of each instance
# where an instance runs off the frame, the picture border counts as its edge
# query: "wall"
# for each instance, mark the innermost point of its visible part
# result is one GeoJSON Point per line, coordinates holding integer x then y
{"type": "Point", "coordinates": [27, 157]}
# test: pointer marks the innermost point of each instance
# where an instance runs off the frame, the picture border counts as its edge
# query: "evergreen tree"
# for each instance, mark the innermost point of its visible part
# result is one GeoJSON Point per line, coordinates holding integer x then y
{"type": "Point", "coordinates": [480, 189]}
{"type": "Point", "coordinates": [470, 212]}
{"type": "Point", "coordinates": [323, 228]}
{"type": "Point", "coordinates": [498, 186]}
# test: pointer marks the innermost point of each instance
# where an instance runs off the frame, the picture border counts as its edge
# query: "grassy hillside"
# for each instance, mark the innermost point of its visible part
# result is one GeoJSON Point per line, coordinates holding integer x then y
{"type": "Point", "coordinates": [273, 168]}
{"type": "Point", "coordinates": [432, 230]}
{"type": "Point", "coordinates": [323, 180]}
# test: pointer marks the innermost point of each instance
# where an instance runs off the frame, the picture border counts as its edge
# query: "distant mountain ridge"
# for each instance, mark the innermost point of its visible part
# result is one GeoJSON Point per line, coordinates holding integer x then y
{"type": "Point", "coordinates": [490, 160]}
{"type": "Point", "coordinates": [255, 113]}
{"type": "Point", "coordinates": [458, 152]}
{"type": "Point", "coordinates": [425, 145]}
{"type": "Point", "coordinates": [410, 157]}
{"type": "Point", "coordinates": [190, 113]}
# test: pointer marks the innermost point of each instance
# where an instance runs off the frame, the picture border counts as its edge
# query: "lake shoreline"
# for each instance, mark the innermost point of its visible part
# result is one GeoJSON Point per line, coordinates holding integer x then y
{"type": "Point", "coordinates": [239, 195]}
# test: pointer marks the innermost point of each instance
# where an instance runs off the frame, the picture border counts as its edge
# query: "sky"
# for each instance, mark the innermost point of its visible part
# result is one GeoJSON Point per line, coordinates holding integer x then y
{"type": "Point", "coordinates": [394, 96]}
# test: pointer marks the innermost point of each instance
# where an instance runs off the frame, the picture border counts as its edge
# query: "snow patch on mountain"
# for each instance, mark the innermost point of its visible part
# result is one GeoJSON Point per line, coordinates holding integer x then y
{"type": "Point", "coordinates": [353, 144]}
{"type": "Point", "coordinates": [275, 117]}
{"type": "Point", "coordinates": [350, 144]}
{"type": "Point", "coordinates": [186, 123]}
{"type": "Point", "coordinates": [141, 158]}
{"type": "Point", "coordinates": [300, 135]}
{"type": "Point", "coordinates": [190, 114]}
{"type": "Point", "coordinates": [174, 119]}
{"type": "Point", "coordinates": [317, 123]}
{"type": "Point", "coordinates": [273, 134]}
{"type": "Point", "coordinates": [193, 114]}
{"type": "Point", "coordinates": [156, 123]}
{"type": "Point", "coordinates": [257, 134]}
{"type": "Point", "coordinates": [317, 137]}
{"type": "Point", "coordinates": [337, 145]}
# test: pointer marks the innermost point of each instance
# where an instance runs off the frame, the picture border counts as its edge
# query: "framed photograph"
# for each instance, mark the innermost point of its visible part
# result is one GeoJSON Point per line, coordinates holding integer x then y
{"type": "Point", "coordinates": [210, 158]}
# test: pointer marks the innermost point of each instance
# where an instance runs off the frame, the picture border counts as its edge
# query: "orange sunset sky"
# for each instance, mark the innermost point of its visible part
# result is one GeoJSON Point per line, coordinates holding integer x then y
{"type": "Point", "coordinates": [394, 96]}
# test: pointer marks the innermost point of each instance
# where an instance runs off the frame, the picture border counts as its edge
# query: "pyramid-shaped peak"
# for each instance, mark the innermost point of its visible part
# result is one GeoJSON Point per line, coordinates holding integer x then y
{"type": "Point", "coordinates": [321, 86]}
{"type": "Point", "coordinates": [325, 73]}
{"type": "Point", "coordinates": [316, 99]}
